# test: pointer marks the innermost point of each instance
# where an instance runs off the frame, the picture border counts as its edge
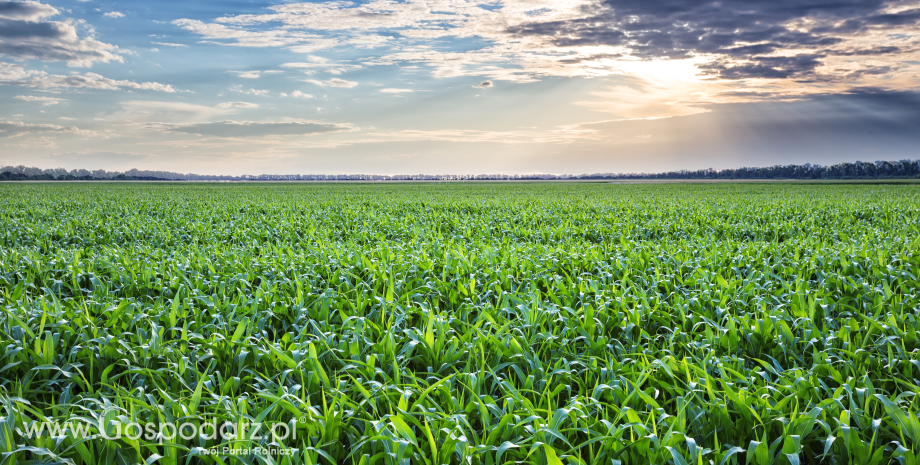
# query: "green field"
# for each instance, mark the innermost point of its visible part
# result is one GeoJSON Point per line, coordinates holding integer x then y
{"type": "Point", "coordinates": [538, 323]}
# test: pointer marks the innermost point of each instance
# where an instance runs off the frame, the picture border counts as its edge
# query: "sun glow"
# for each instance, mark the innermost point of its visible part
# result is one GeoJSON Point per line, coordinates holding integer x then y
{"type": "Point", "coordinates": [652, 89]}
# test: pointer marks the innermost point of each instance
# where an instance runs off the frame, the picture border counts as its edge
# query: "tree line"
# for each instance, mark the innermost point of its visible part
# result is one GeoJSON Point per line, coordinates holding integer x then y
{"type": "Point", "coordinates": [855, 170]}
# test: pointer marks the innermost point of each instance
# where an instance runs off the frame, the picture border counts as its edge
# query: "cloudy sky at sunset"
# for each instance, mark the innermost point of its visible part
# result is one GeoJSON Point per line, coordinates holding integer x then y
{"type": "Point", "coordinates": [516, 86]}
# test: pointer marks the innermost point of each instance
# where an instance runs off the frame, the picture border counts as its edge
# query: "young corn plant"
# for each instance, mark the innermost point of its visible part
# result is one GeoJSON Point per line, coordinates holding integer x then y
{"type": "Point", "coordinates": [440, 324]}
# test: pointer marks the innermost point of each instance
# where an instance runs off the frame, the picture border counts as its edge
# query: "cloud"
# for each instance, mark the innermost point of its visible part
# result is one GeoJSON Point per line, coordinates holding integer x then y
{"type": "Point", "coordinates": [313, 61]}
{"type": "Point", "coordinates": [76, 80]}
{"type": "Point", "coordinates": [396, 91]}
{"type": "Point", "coordinates": [26, 11]}
{"type": "Point", "coordinates": [322, 64]}
{"type": "Point", "coordinates": [15, 128]}
{"type": "Point", "coordinates": [484, 85]}
{"type": "Point", "coordinates": [334, 82]}
{"type": "Point", "coordinates": [247, 74]}
{"type": "Point", "coordinates": [679, 28]}
{"type": "Point", "coordinates": [409, 31]}
{"type": "Point", "coordinates": [114, 14]}
{"type": "Point", "coordinates": [299, 42]}
{"type": "Point", "coordinates": [259, 92]}
{"type": "Point", "coordinates": [874, 50]}
{"type": "Point", "coordinates": [749, 38]}
{"type": "Point", "coordinates": [24, 35]}
{"type": "Point", "coordinates": [252, 129]}
{"type": "Point", "coordinates": [823, 129]}
{"type": "Point", "coordinates": [168, 44]}
{"type": "Point", "coordinates": [43, 142]}
{"type": "Point", "coordinates": [299, 94]}
{"type": "Point", "coordinates": [156, 111]}
{"type": "Point", "coordinates": [801, 42]}
{"type": "Point", "coordinates": [254, 74]}
{"type": "Point", "coordinates": [237, 105]}
{"type": "Point", "coordinates": [766, 67]}
{"type": "Point", "coordinates": [271, 38]}
{"type": "Point", "coordinates": [43, 100]}
{"type": "Point", "coordinates": [12, 72]}
{"type": "Point", "coordinates": [525, 136]}
{"type": "Point", "coordinates": [596, 57]}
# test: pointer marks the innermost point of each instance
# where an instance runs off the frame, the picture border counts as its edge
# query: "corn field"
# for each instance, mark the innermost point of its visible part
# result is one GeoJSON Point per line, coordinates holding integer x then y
{"type": "Point", "coordinates": [531, 323]}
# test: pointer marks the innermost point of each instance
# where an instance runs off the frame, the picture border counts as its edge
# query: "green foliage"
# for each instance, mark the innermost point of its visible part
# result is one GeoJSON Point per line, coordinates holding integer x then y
{"type": "Point", "coordinates": [464, 323]}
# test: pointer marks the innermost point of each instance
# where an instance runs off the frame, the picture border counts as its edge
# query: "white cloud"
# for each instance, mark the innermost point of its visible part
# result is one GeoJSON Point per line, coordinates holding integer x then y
{"type": "Point", "coordinates": [254, 129]}
{"type": "Point", "coordinates": [13, 71]}
{"type": "Point", "coordinates": [561, 134]}
{"type": "Point", "coordinates": [114, 14]}
{"type": "Point", "coordinates": [396, 91]}
{"type": "Point", "coordinates": [299, 94]}
{"type": "Point", "coordinates": [410, 27]}
{"type": "Point", "coordinates": [248, 74]}
{"type": "Point", "coordinates": [44, 100]}
{"type": "Point", "coordinates": [43, 142]}
{"type": "Point", "coordinates": [271, 38]}
{"type": "Point", "coordinates": [322, 64]}
{"type": "Point", "coordinates": [168, 44]}
{"type": "Point", "coordinates": [259, 92]}
{"type": "Point", "coordinates": [152, 111]}
{"type": "Point", "coordinates": [237, 105]}
{"type": "Point", "coordinates": [334, 82]}
{"type": "Point", "coordinates": [16, 128]}
{"type": "Point", "coordinates": [87, 80]}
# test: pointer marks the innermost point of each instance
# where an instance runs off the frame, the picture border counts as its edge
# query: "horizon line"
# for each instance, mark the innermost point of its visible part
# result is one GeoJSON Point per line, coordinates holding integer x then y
{"type": "Point", "coordinates": [905, 168]}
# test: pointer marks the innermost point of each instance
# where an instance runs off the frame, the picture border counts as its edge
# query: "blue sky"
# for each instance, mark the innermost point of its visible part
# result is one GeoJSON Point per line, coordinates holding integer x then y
{"type": "Point", "coordinates": [574, 86]}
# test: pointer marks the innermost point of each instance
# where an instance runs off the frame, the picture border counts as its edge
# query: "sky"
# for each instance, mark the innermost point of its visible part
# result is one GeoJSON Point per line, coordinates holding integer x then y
{"type": "Point", "coordinates": [455, 86]}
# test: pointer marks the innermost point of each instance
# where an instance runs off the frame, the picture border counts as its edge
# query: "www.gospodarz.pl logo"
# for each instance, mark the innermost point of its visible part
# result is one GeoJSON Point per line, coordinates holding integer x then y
{"type": "Point", "coordinates": [112, 426]}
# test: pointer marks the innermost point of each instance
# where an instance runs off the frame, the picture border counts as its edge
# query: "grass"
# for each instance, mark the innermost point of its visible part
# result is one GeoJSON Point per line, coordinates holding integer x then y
{"type": "Point", "coordinates": [544, 323]}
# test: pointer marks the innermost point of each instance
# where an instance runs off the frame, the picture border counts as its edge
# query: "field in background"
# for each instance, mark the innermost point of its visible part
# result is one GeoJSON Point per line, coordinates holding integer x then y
{"type": "Point", "coordinates": [544, 323]}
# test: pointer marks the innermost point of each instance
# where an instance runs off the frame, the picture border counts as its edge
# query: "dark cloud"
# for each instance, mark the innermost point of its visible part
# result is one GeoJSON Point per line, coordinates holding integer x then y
{"type": "Point", "coordinates": [799, 66]}
{"type": "Point", "coordinates": [748, 50]}
{"type": "Point", "coordinates": [15, 29]}
{"type": "Point", "coordinates": [877, 50]}
{"type": "Point", "coordinates": [750, 95]}
{"type": "Point", "coordinates": [739, 29]}
{"type": "Point", "coordinates": [595, 57]}
{"type": "Point", "coordinates": [484, 85]}
{"type": "Point", "coordinates": [23, 36]}
{"type": "Point", "coordinates": [27, 11]}
{"type": "Point", "coordinates": [250, 129]}
{"type": "Point", "coordinates": [871, 71]}
{"type": "Point", "coordinates": [864, 124]}
{"type": "Point", "coordinates": [902, 18]}
{"type": "Point", "coordinates": [374, 14]}
{"type": "Point", "coordinates": [17, 76]}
